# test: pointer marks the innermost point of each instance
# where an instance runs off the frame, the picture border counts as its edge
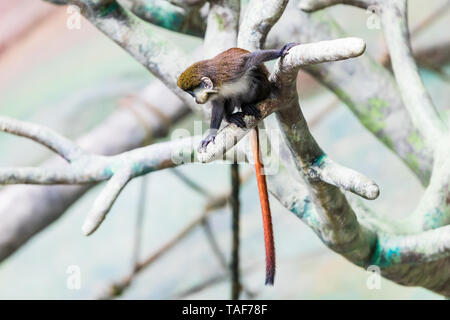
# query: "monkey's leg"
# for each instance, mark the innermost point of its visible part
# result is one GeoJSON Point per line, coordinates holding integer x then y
{"type": "Point", "coordinates": [216, 119]}
{"type": "Point", "coordinates": [251, 110]}
{"type": "Point", "coordinates": [237, 118]}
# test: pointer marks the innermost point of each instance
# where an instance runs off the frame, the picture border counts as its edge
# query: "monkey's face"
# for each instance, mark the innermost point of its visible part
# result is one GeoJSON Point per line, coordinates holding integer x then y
{"type": "Point", "coordinates": [204, 91]}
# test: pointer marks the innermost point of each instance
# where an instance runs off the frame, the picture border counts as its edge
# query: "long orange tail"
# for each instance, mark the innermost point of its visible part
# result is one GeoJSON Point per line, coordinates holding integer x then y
{"type": "Point", "coordinates": [265, 209]}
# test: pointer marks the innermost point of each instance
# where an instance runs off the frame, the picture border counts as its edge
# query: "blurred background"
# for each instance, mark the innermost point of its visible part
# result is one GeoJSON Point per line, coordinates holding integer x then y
{"type": "Point", "coordinates": [71, 80]}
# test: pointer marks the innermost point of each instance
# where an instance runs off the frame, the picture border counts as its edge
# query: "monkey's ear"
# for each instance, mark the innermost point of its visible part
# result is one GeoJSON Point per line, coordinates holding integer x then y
{"type": "Point", "coordinates": [207, 83]}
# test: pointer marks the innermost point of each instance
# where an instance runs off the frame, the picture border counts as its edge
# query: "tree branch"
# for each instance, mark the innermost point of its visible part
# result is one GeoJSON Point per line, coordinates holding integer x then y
{"type": "Point", "coordinates": [162, 13]}
{"type": "Point", "coordinates": [222, 26]}
{"type": "Point", "coordinates": [26, 210]}
{"type": "Point", "coordinates": [416, 99]}
{"type": "Point", "coordinates": [259, 18]}
{"type": "Point", "coordinates": [161, 57]}
{"type": "Point", "coordinates": [364, 85]}
{"type": "Point", "coordinates": [105, 200]}
{"type": "Point", "coordinates": [47, 137]}
{"type": "Point", "coordinates": [118, 169]}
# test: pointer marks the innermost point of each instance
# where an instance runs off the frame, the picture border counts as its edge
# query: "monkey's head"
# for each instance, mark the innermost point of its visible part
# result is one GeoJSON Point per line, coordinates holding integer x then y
{"type": "Point", "coordinates": [196, 81]}
{"type": "Point", "coordinates": [206, 79]}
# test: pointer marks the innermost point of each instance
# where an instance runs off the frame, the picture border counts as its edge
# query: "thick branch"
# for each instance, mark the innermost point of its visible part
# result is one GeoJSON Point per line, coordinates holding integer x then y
{"type": "Point", "coordinates": [161, 57]}
{"type": "Point", "coordinates": [222, 26]}
{"type": "Point", "coordinates": [259, 18]}
{"type": "Point", "coordinates": [418, 258]}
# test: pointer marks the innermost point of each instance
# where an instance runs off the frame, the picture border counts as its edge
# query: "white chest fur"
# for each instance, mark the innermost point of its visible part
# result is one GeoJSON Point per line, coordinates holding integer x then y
{"type": "Point", "coordinates": [235, 88]}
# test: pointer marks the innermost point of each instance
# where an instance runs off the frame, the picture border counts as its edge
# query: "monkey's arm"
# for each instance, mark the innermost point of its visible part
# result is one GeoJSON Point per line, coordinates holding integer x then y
{"type": "Point", "coordinates": [260, 56]}
{"type": "Point", "coordinates": [216, 120]}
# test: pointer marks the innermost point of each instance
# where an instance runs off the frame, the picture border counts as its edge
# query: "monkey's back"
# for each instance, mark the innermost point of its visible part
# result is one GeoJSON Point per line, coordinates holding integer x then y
{"type": "Point", "coordinates": [226, 67]}
{"type": "Point", "coordinates": [236, 59]}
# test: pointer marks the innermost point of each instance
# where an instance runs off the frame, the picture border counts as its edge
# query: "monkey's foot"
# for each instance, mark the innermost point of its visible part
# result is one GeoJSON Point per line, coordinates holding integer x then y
{"type": "Point", "coordinates": [252, 110]}
{"type": "Point", "coordinates": [237, 118]}
{"type": "Point", "coordinates": [287, 47]}
{"type": "Point", "coordinates": [204, 143]}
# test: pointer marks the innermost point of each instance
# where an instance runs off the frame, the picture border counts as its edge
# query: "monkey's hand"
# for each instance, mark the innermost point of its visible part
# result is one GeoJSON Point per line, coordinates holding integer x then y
{"type": "Point", "coordinates": [204, 143]}
{"type": "Point", "coordinates": [284, 51]}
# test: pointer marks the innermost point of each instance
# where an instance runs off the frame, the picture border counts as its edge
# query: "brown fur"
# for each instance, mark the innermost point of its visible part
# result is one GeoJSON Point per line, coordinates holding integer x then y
{"type": "Point", "coordinates": [226, 66]}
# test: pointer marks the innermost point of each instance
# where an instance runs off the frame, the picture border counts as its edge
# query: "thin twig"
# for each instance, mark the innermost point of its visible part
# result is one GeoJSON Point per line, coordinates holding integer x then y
{"type": "Point", "coordinates": [213, 243]}
{"type": "Point", "coordinates": [139, 222]}
{"type": "Point", "coordinates": [191, 183]}
{"type": "Point", "coordinates": [220, 256]}
{"type": "Point", "coordinates": [117, 287]}
{"type": "Point", "coordinates": [214, 280]}
{"type": "Point", "coordinates": [324, 112]}
{"type": "Point", "coordinates": [205, 223]}
{"type": "Point", "coordinates": [30, 23]}
{"type": "Point", "coordinates": [435, 58]}
{"type": "Point", "coordinates": [202, 285]}
{"type": "Point", "coordinates": [430, 19]}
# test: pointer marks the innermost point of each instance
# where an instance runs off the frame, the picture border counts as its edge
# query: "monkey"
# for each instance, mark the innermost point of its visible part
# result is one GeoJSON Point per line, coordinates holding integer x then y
{"type": "Point", "coordinates": [233, 78]}
{"type": "Point", "coordinates": [237, 78]}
